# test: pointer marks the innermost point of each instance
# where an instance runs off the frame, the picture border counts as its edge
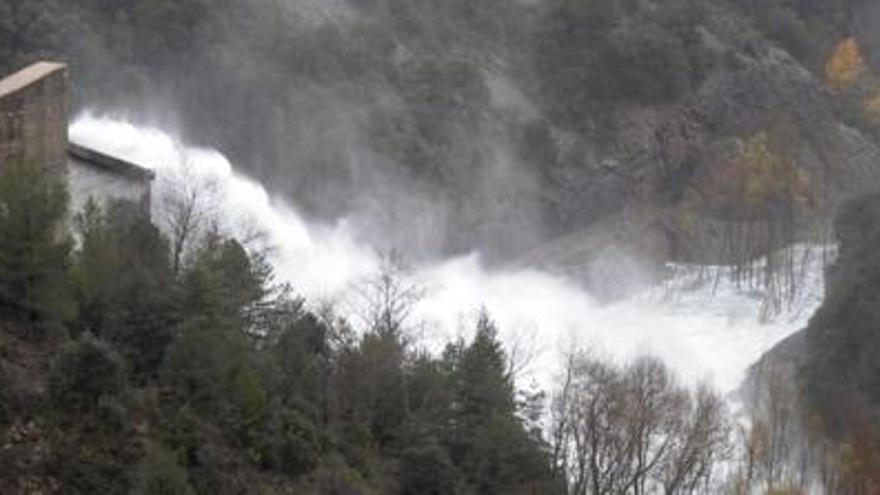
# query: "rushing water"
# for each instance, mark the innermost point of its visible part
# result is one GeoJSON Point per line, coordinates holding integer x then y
{"type": "Point", "coordinates": [710, 331]}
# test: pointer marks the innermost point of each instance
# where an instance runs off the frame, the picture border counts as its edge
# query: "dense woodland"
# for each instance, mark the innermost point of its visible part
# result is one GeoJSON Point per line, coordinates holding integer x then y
{"type": "Point", "coordinates": [127, 369]}
{"type": "Point", "coordinates": [123, 372]}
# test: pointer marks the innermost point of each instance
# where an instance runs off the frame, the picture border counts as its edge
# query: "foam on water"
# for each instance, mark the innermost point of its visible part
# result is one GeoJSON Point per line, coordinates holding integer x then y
{"type": "Point", "coordinates": [712, 331]}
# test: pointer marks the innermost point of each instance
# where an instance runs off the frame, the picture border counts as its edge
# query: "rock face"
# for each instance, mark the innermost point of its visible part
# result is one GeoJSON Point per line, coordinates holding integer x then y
{"type": "Point", "coordinates": [665, 159]}
{"type": "Point", "coordinates": [841, 366]}
{"type": "Point", "coordinates": [478, 125]}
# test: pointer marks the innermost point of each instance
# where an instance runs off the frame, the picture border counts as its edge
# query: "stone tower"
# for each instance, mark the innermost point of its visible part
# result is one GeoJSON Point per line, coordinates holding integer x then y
{"type": "Point", "coordinates": [33, 127]}
{"type": "Point", "coordinates": [33, 115]}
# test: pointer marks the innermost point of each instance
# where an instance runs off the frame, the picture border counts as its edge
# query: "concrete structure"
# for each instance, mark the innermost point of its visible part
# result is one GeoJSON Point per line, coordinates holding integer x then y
{"type": "Point", "coordinates": [105, 179]}
{"type": "Point", "coordinates": [33, 115]}
{"type": "Point", "coordinates": [33, 127]}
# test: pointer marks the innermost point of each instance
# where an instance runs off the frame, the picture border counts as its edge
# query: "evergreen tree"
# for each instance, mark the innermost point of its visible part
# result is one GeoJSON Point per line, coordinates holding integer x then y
{"type": "Point", "coordinates": [488, 440]}
{"type": "Point", "coordinates": [34, 251]}
{"type": "Point", "coordinates": [210, 363]}
{"type": "Point", "coordinates": [131, 311]}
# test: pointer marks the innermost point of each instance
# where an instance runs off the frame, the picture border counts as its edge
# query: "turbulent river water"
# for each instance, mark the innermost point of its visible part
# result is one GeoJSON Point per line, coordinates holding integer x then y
{"type": "Point", "coordinates": [704, 331]}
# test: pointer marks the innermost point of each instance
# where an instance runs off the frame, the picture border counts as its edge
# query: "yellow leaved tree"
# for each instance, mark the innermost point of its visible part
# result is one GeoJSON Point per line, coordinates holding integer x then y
{"type": "Point", "coordinates": [755, 179]}
{"type": "Point", "coordinates": [847, 72]}
{"type": "Point", "coordinates": [846, 66]}
{"type": "Point", "coordinates": [770, 176]}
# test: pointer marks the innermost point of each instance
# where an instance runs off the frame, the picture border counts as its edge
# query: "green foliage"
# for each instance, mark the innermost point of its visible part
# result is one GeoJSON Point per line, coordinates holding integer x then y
{"type": "Point", "coordinates": [224, 284]}
{"type": "Point", "coordinates": [247, 394]}
{"type": "Point", "coordinates": [132, 312]}
{"type": "Point", "coordinates": [372, 385]}
{"type": "Point", "coordinates": [427, 469]}
{"type": "Point", "coordinates": [204, 365]}
{"type": "Point", "coordinates": [159, 474]}
{"type": "Point", "coordinates": [841, 371]}
{"type": "Point", "coordinates": [90, 464]}
{"type": "Point", "coordinates": [648, 63]}
{"type": "Point", "coordinates": [89, 450]}
{"type": "Point", "coordinates": [289, 442]}
{"type": "Point", "coordinates": [488, 441]}
{"type": "Point", "coordinates": [594, 55]}
{"type": "Point", "coordinates": [215, 380]}
{"type": "Point", "coordinates": [334, 476]}
{"type": "Point", "coordinates": [5, 399]}
{"type": "Point", "coordinates": [34, 252]}
{"type": "Point", "coordinates": [484, 387]}
{"type": "Point", "coordinates": [85, 371]}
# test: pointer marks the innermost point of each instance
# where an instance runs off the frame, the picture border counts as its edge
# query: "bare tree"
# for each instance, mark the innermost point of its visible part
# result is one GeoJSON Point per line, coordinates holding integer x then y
{"type": "Point", "coordinates": [634, 430]}
{"type": "Point", "coordinates": [387, 300]}
{"type": "Point", "coordinates": [699, 446]}
{"type": "Point", "coordinates": [778, 450]}
{"type": "Point", "coordinates": [654, 417]}
{"type": "Point", "coordinates": [597, 430]}
{"type": "Point", "coordinates": [187, 209]}
{"type": "Point", "coordinates": [522, 350]}
{"type": "Point", "coordinates": [560, 415]}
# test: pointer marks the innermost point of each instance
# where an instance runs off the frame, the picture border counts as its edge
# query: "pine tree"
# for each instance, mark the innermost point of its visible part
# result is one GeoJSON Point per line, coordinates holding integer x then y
{"type": "Point", "coordinates": [131, 311]}
{"type": "Point", "coordinates": [34, 251]}
{"type": "Point", "coordinates": [488, 438]}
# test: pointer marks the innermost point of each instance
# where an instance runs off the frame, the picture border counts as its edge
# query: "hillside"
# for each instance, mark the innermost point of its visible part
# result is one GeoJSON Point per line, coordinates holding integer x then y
{"type": "Point", "coordinates": [815, 393]}
{"type": "Point", "coordinates": [496, 126]}
{"type": "Point", "coordinates": [576, 151]}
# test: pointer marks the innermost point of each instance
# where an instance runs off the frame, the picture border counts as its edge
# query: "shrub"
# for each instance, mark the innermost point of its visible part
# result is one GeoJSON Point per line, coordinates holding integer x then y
{"type": "Point", "coordinates": [648, 64]}
{"type": "Point", "coordinates": [85, 371]}
{"type": "Point", "coordinates": [427, 469]}
{"type": "Point", "coordinates": [159, 474]}
{"type": "Point", "coordinates": [289, 443]}
{"type": "Point", "coordinates": [33, 255]}
{"type": "Point", "coordinates": [5, 412]}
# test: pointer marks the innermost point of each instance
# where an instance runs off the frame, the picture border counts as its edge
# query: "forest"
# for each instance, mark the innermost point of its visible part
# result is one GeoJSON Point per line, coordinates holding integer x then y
{"type": "Point", "coordinates": [129, 366]}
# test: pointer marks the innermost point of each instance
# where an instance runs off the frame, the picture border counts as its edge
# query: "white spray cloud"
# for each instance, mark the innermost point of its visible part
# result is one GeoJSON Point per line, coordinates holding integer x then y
{"type": "Point", "coordinates": [712, 333]}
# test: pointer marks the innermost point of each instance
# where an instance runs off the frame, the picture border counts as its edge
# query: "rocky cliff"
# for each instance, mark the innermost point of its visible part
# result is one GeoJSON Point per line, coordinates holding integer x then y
{"type": "Point", "coordinates": [721, 128]}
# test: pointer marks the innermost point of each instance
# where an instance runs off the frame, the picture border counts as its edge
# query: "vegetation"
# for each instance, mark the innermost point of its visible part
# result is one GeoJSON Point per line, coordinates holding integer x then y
{"type": "Point", "coordinates": [148, 363]}
{"type": "Point", "coordinates": [216, 380]}
{"type": "Point", "coordinates": [409, 82]}
{"type": "Point", "coordinates": [635, 430]}
{"type": "Point", "coordinates": [33, 256]}
{"type": "Point", "coordinates": [841, 375]}
{"type": "Point", "coordinates": [812, 403]}
{"type": "Point", "coordinates": [593, 55]}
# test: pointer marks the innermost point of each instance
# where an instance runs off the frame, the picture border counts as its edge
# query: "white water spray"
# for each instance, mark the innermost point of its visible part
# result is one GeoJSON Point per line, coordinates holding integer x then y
{"type": "Point", "coordinates": [700, 335]}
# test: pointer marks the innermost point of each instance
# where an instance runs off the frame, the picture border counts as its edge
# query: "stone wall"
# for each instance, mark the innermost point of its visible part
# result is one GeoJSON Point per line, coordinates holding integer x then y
{"type": "Point", "coordinates": [33, 115]}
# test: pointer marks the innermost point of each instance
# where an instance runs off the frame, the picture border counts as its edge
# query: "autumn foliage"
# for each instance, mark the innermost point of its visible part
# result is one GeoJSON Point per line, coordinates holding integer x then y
{"type": "Point", "coordinates": [846, 65]}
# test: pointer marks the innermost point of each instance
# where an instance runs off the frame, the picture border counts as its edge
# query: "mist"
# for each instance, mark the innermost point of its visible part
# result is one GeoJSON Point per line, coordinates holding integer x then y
{"type": "Point", "coordinates": [707, 329]}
